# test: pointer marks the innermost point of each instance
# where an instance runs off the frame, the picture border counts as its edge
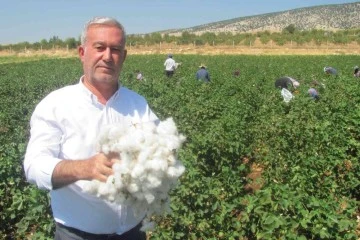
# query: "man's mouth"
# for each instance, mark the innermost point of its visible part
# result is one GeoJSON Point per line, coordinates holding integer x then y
{"type": "Point", "coordinates": [106, 68]}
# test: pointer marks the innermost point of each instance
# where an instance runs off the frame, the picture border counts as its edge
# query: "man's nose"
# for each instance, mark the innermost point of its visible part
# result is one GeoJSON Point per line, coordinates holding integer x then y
{"type": "Point", "coordinates": [107, 54]}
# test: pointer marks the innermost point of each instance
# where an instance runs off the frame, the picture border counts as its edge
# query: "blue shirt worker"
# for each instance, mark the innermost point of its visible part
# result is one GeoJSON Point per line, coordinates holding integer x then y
{"type": "Point", "coordinates": [313, 93]}
{"type": "Point", "coordinates": [202, 74]}
{"type": "Point", "coordinates": [330, 71]}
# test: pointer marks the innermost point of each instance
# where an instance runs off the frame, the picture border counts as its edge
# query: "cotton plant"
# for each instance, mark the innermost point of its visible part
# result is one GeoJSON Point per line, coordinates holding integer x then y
{"type": "Point", "coordinates": [148, 168]}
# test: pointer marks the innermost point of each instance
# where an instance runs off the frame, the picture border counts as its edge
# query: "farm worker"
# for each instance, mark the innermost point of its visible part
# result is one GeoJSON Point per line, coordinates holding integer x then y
{"type": "Point", "coordinates": [295, 83]}
{"type": "Point", "coordinates": [356, 71]}
{"type": "Point", "coordinates": [170, 65]}
{"type": "Point", "coordinates": [61, 154]}
{"type": "Point", "coordinates": [312, 90]}
{"type": "Point", "coordinates": [313, 93]}
{"type": "Point", "coordinates": [287, 83]}
{"type": "Point", "coordinates": [139, 75]}
{"type": "Point", "coordinates": [202, 74]}
{"type": "Point", "coordinates": [330, 71]}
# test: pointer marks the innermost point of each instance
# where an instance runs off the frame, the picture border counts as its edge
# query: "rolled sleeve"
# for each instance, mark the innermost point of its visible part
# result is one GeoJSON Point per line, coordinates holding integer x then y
{"type": "Point", "coordinates": [43, 149]}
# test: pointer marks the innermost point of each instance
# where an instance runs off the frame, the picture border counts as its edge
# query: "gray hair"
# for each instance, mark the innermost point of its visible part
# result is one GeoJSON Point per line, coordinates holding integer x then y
{"type": "Point", "coordinates": [107, 21]}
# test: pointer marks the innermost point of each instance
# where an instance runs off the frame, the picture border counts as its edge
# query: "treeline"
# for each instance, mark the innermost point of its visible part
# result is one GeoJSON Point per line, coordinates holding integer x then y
{"type": "Point", "coordinates": [289, 35]}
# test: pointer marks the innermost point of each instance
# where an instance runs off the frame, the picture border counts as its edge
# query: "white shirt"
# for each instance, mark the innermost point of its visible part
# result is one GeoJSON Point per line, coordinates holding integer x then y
{"type": "Point", "coordinates": [65, 125]}
{"type": "Point", "coordinates": [170, 64]}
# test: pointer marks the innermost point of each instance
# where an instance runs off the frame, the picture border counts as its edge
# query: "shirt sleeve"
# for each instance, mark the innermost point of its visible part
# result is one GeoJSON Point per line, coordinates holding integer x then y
{"type": "Point", "coordinates": [44, 146]}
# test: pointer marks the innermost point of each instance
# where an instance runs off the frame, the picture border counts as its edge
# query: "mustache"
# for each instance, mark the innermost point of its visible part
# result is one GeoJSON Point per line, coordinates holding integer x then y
{"type": "Point", "coordinates": [102, 65]}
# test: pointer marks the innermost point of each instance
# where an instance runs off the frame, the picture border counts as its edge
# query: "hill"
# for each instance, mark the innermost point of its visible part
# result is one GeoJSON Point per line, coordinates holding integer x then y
{"type": "Point", "coordinates": [326, 17]}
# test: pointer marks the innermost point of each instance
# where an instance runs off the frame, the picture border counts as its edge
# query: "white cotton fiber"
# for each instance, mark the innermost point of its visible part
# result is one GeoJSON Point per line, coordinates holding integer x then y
{"type": "Point", "coordinates": [148, 167]}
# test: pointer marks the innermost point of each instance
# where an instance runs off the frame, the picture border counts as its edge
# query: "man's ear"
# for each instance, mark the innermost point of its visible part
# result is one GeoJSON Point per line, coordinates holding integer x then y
{"type": "Point", "coordinates": [81, 52]}
{"type": "Point", "coordinates": [125, 54]}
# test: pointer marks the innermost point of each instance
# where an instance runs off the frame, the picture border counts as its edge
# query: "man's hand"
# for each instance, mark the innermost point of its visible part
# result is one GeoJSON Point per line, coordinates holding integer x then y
{"type": "Point", "coordinates": [97, 167]}
{"type": "Point", "coordinates": [100, 166]}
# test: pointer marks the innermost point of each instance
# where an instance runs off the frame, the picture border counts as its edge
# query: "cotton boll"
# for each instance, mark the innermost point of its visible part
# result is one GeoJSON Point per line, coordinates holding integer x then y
{"type": "Point", "coordinates": [133, 188]}
{"type": "Point", "coordinates": [161, 152]}
{"type": "Point", "coordinates": [157, 164]}
{"type": "Point", "coordinates": [171, 159]}
{"type": "Point", "coordinates": [103, 137]}
{"type": "Point", "coordinates": [167, 127]}
{"type": "Point", "coordinates": [139, 209]}
{"type": "Point", "coordinates": [125, 161]}
{"type": "Point", "coordinates": [139, 196]}
{"type": "Point", "coordinates": [124, 146]}
{"type": "Point", "coordinates": [179, 168]}
{"type": "Point", "coordinates": [118, 183]}
{"type": "Point", "coordinates": [144, 155]}
{"type": "Point", "coordinates": [149, 197]}
{"type": "Point", "coordinates": [147, 226]}
{"type": "Point", "coordinates": [153, 181]}
{"type": "Point", "coordinates": [116, 167]}
{"type": "Point", "coordinates": [92, 187]}
{"type": "Point", "coordinates": [110, 183]}
{"type": "Point", "coordinates": [105, 149]}
{"type": "Point", "coordinates": [115, 132]}
{"type": "Point", "coordinates": [126, 179]}
{"type": "Point", "coordinates": [175, 171]}
{"type": "Point", "coordinates": [138, 137]}
{"type": "Point", "coordinates": [102, 190]}
{"type": "Point", "coordinates": [111, 197]}
{"type": "Point", "coordinates": [174, 142]}
{"type": "Point", "coordinates": [151, 140]}
{"type": "Point", "coordinates": [120, 198]}
{"type": "Point", "coordinates": [157, 209]}
{"type": "Point", "coordinates": [163, 190]}
{"type": "Point", "coordinates": [137, 171]}
{"type": "Point", "coordinates": [115, 147]}
{"type": "Point", "coordinates": [148, 127]}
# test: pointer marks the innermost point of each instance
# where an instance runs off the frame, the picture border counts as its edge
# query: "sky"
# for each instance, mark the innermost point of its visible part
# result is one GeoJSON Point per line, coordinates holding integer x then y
{"type": "Point", "coordinates": [34, 20]}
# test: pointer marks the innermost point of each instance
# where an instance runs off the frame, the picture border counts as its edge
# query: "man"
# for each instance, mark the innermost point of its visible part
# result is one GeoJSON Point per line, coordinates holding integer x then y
{"type": "Point", "coordinates": [170, 66]}
{"type": "Point", "coordinates": [61, 155]}
{"type": "Point", "coordinates": [202, 74]}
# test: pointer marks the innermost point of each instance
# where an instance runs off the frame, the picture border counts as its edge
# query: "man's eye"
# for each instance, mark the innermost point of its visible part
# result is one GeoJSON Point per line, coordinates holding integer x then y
{"type": "Point", "coordinates": [99, 48]}
{"type": "Point", "coordinates": [116, 49]}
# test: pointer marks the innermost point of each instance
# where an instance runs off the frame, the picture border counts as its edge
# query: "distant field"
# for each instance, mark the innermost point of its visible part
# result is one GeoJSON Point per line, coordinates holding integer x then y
{"type": "Point", "coordinates": [256, 49]}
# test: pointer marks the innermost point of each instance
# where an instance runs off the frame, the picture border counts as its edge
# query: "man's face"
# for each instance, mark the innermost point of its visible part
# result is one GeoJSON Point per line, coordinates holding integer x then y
{"type": "Point", "coordinates": [103, 55]}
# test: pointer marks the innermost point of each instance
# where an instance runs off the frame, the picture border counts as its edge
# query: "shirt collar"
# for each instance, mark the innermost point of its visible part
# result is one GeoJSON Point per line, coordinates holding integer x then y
{"type": "Point", "coordinates": [92, 96]}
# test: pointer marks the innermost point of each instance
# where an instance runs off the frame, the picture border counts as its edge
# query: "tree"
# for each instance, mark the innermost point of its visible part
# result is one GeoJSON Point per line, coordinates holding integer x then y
{"type": "Point", "coordinates": [290, 29]}
{"type": "Point", "coordinates": [71, 43]}
{"type": "Point", "coordinates": [156, 37]}
{"type": "Point", "coordinates": [187, 38]}
{"type": "Point", "coordinates": [208, 37]}
{"type": "Point", "coordinates": [55, 41]}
